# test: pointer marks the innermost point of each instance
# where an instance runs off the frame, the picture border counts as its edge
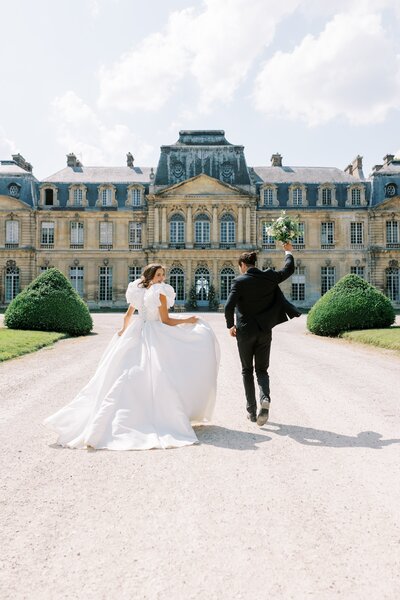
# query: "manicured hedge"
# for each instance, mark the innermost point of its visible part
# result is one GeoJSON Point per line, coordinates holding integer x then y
{"type": "Point", "coordinates": [49, 303]}
{"type": "Point", "coordinates": [351, 304]}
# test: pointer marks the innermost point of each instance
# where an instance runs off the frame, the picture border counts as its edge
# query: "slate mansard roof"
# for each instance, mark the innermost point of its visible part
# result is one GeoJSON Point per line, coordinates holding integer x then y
{"type": "Point", "coordinates": [287, 174]}
{"type": "Point", "coordinates": [11, 173]}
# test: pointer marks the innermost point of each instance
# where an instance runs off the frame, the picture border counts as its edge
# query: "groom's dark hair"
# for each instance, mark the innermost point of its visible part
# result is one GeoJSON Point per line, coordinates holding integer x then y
{"type": "Point", "coordinates": [248, 258]}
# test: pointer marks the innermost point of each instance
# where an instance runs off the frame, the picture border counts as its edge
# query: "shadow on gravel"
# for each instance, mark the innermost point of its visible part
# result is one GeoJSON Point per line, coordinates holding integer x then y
{"type": "Point", "coordinates": [319, 437]}
{"type": "Point", "coordinates": [223, 437]}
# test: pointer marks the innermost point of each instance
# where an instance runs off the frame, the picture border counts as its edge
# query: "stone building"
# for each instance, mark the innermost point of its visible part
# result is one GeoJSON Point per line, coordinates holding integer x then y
{"type": "Point", "coordinates": [195, 213]}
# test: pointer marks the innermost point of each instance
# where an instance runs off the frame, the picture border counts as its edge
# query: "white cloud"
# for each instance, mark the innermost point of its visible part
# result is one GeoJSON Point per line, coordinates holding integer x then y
{"type": "Point", "coordinates": [216, 47]}
{"type": "Point", "coordinates": [79, 129]}
{"type": "Point", "coordinates": [351, 70]}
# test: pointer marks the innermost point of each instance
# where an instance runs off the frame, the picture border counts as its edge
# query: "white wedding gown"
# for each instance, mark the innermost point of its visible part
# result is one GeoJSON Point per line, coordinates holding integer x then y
{"type": "Point", "coordinates": [151, 384]}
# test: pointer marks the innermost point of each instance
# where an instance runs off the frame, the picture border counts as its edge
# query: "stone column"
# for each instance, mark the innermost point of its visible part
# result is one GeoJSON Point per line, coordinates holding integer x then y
{"type": "Point", "coordinates": [214, 227]}
{"type": "Point", "coordinates": [164, 226]}
{"type": "Point", "coordinates": [145, 238]}
{"type": "Point", "coordinates": [188, 278]}
{"type": "Point", "coordinates": [248, 228]}
{"type": "Point", "coordinates": [240, 227]}
{"type": "Point", "coordinates": [189, 227]}
{"type": "Point", "coordinates": [91, 269]}
{"type": "Point", "coordinates": [156, 226]}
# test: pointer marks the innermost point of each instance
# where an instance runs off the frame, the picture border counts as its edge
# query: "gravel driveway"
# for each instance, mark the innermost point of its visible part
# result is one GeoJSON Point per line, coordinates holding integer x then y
{"type": "Point", "coordinates": [305, 507]}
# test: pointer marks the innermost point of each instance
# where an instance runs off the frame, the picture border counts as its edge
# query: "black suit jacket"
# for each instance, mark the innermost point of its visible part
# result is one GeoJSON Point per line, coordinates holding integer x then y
{"type": "Point", "coordinates": [258, 300]}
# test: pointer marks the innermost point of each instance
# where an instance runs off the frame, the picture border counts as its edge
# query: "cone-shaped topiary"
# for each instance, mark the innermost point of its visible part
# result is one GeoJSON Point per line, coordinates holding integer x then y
{"type": "Point", "coordinates": [49, 303]}
{"type": "Point", "coordinates": [351, 304]}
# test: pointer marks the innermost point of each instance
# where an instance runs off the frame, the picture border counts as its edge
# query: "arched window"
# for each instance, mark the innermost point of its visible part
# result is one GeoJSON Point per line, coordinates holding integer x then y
{"type": "Point", "coordinates": [177, 230]}
{"type": "Point", "coordinates": [177, 280]}
{"type": "Point", "coordinates": [11, 282]}
{"type": "Point", "coordinates": [226, 278]}
{"type": "Point", "coordinates": [393, 283]}
{"type": "Point", "coordinates": [227, 230]}
{"type": "Point", "coordinates": [202, 284]}
{"type": "Point", "coordinates": [202, 230]}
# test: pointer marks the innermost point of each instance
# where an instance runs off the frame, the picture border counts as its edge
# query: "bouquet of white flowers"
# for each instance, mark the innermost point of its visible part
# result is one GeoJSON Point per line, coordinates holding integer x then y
{"type": "Point", "coordinates": [284, 229]}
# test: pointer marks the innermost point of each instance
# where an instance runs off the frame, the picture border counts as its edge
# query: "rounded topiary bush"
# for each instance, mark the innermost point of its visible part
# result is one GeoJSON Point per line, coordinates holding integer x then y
{"type": "Point", "coordinates": [49, 303]}
{"type": "Point", "coordinates": [352, 303]}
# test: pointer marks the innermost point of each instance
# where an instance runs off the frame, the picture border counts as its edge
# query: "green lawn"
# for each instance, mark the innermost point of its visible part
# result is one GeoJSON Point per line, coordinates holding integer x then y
{"type": "Point", "coordinates": [15, 342]}
{"type": "Point", "coordinates": [383, 338]}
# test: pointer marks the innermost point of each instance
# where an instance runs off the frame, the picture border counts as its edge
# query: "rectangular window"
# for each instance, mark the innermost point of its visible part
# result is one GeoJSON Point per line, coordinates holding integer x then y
{"type": "Point", "coordinates": [392, 232]}
{"type": "Point", "coordinates": [105, 284]}
{"type": "Point", "coordinates": [227, 232]}
{"type": "Point", "coordinates": [136, 197]}
{"type": "Point", "coordinates": [78, 197]}
{"type": "Point", "coordinates": [106, 234]}
{"type": "Point", "coordinates": [267, 240]}
{"type": "Point", "coordinates": [393, 284]}
{"type": "Point", "coordinates": [299, 284]}
{"type": "Point", "coordinates": [134, 273]}
{"type": "Point", "coordinates": [177, 232]}
{"type": "Point", "coordinates": [327, 279]}
{"type": "Point", "coordinates": [76, 234]}
{"type": "Point", "coordinates": [299, 241]}
{"type": "Point", "coordinates": [268, 197]}
{"type": "Point", "coordinates": [47, 233]}
{"type": "Point", "coordinates": [327, 233]}
{"type": "Point", "coordinates": [297, 197]}
{"type": "Point", "coordinates": [202, 232]}
{"type": "Point", "coordinates": [135, 234]}
{"type": "Point", "coordinates": [356, 233]}
{"type": "Point", "coordinates": [326, 196]}
{"type": "Point", "coordinates": [11, 283]}
{"type": "Point", "coordinates": [357, 270]}
{"type": "Point", "coordinates": [12, 233]}
{"type": "Point", "coordinates": [356, 197]}
{"type": "Point", "coordinates": [76, 277]}
{"type": "Point", "coordinates": [106, 197]}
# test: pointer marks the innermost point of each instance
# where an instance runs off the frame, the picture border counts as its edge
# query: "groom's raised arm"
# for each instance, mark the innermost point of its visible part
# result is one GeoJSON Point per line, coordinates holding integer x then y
{"type": "Point", "coordinates": [230, 305]}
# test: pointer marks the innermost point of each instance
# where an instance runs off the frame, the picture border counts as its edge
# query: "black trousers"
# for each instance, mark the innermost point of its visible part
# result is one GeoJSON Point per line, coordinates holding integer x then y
{"type": "Point", "coordinates": [254, 350]}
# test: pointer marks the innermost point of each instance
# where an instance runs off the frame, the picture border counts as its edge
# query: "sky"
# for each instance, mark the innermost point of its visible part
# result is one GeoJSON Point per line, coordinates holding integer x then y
{"type": "Point", "coordinates": [317, 81]}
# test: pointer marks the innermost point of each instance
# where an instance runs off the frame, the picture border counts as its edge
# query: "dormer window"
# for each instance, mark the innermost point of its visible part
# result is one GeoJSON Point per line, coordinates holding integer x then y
{"type": "Point", "coordinates": [48, 195]}
{"type": "Point", "coordinates": [297, 195]}
{"type": "Point", "coordinates": [326, 195]}
{"type": "Point", "coordinates": [77, 195]}
{"type": "Point", "coordinates": [134, 196]}
{"type": "Point", "coordinates": [356, 195]}
{"type": "Point", "coordinates": [268, 195]}
{"type": "Point", "coordinates": [106, 197]}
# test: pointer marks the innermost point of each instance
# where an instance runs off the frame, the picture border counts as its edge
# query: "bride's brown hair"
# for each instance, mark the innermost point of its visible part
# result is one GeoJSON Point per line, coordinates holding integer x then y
{"type": "Point", "coordinates": [148, 274]}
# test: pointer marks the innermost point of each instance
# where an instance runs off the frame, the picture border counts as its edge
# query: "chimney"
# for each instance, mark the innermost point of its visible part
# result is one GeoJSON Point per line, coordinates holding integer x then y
{"type": "Point", "coordinates": [376, 168]}
{"type": "Point", "coordinates": [276, 160]}
{"type": "Point", "coordinates": [387, 159]}
{"type": "Point", "coordinates": [349, 169]}
{"type": "Point", "coordinates": [358, 167]}
{"type": "Point", "coordinates": [129, 160]}
{"type": "Point", "coordinates": [22, 163]}
{"type": "Point", "coordinates": [72, 160]}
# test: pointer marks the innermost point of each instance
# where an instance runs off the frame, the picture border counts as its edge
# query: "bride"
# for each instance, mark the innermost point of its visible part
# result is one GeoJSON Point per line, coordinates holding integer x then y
{"type": "Point", "coordinates": [156, 377]}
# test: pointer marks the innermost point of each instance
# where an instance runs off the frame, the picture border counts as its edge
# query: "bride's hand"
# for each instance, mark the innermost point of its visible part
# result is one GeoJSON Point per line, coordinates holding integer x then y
{"type": "Point", "coordinates": [121, 331]}
{"type": "Point", "coordinates": [192, 320]}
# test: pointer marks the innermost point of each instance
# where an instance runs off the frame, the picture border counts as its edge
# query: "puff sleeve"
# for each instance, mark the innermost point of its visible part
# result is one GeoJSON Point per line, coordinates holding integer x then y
{"type": "Point", "coordinates": [134, 293]}
{"type": "Point", "coordinates": [152, 296]}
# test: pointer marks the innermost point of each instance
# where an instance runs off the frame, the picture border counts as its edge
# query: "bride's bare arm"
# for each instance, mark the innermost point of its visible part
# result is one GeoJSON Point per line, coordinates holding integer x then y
{"type": "Point", "coordinates": [165, 318]}
{"type": "Point", "coordinates": [127, 318]}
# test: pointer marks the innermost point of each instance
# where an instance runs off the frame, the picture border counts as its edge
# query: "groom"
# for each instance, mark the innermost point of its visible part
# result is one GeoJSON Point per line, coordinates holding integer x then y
{"type": "Point", "coordinates": [259, 305]}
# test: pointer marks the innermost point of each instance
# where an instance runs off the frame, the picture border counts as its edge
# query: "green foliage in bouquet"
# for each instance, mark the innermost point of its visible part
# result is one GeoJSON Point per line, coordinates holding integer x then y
{"type": "Point", "coordinates": [49, 303]}
{"type": "Point", "coordinates": [351, 304]}
{"type": "Point", "coordinates": [284, 229]}
{"type": "Point", "coordinates": [191, 303]}
{"type": "Point", "coordinates": [213, 302]}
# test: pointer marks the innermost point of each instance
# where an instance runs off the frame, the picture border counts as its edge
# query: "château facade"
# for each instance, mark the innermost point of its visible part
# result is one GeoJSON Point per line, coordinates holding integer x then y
{"type": "Point", "coordinates": [195, 213]}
